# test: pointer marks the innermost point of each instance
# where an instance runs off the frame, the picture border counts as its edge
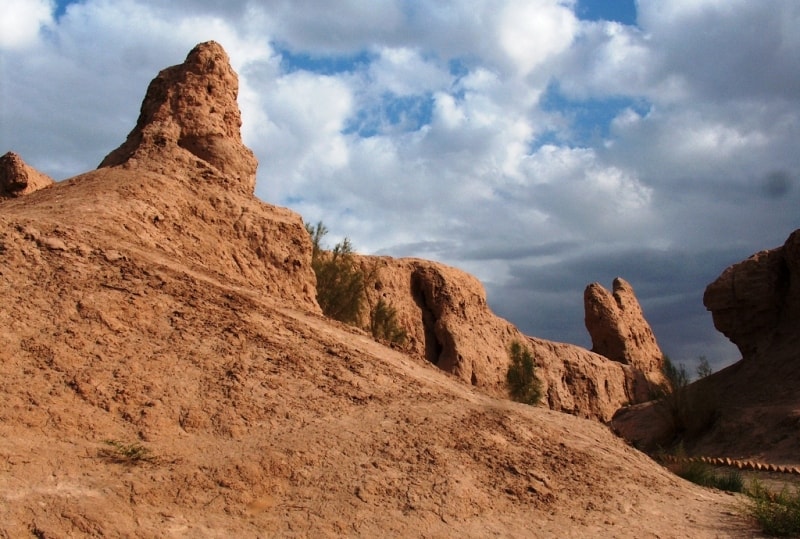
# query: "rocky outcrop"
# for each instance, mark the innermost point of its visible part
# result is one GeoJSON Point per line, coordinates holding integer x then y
{"type": "Point", "coordinates": [190, 117]}
{"type": "Point", "coordinates": [752, 405]}
{"type": "Point", "coordinates": [583, 383]}
{"type": "Point", "coordinates": [444, 313]}
{"type": "Point", "coordinates": [182, 176]}
{"type": "Point", "coordinates": [758, 300]}
{"type": "Point", "coordinates": [187, 143]}
{"type": "Point", "coordinates": [620, 332]}
{"type": "Point", "coordinates": [17, 178]}
{"type": "Point", "coordinates": [448, 322]}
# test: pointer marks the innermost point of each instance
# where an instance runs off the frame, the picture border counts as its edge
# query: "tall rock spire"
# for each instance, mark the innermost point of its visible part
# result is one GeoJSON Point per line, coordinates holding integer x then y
{"type": "Point", "coordinates": [189, 113]}
{"type": "Point", "coordinates": [619, 330]}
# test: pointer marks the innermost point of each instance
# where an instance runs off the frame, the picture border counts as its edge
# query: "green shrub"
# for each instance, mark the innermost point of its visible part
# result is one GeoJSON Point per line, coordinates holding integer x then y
{"type": "Point", "coordinates": [731, 481]}
{"type": "Point", "coordinates": [703, 474]}
{"type": "Point", "coordinates": [383, 323]}
{"type": "Point", "coordinates": [777, 514]}
{"type": "Point", "coordinates": [523, 384]}
{"type": "Point", "coordinates": [676, 375]}
{"type": "Point", "coordinates": [341, 288]}
{"type": "Point", "coordinates": [340, 280]}
{"type": "Point", "coordinates": [696, 472]}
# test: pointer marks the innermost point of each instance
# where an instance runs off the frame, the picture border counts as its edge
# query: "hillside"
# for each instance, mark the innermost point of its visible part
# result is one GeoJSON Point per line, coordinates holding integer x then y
{"type": "Point", "coordinates": [165, 372]}
{"type": "Point", "coordinates": [445, 314]}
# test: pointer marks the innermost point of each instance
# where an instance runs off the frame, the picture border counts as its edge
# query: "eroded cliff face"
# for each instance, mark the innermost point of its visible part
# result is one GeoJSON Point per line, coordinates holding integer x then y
{"type": "Point", "coordinates": [184, 175]}
{"type": "Point", "coordinates": [449, 323]}
{"type": "Point", "coordinates": [757, 301]}
{"type": "Point", "coordinates": [753, 404]}
{"type": "Point", "coordinates": [178, 191]}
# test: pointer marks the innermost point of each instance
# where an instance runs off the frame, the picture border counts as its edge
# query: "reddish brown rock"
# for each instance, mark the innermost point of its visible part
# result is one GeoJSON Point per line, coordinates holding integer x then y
{"type": "Point", "coordinates": [448, 322]}
{"type": "Point", "coordinates": [445, 315]}
{"type": "Point", "coordinates": [190, 116]}
{"type": "Point", "coordinates": [18, 178]}
{"type": "Point", "coordinates": [155, 195]}
{"type": "Point", "coordinates": [757, 298]}
{"type": "Point", "coordinates": [583, 383]}
{"type": "Point", "coordinates": [620, 332]}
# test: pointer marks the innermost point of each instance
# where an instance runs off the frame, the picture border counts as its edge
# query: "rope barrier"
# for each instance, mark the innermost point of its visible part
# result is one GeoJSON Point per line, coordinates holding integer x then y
{"type": "Point", "coordinates": [734, 463]}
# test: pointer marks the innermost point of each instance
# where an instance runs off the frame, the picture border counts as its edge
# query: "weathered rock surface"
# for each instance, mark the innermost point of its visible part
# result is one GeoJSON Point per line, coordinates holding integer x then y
{"type": "Point", "coordinates": [190, 117]}
{"type": "Point", "coordinates": [758, 299]}
{"type": "Point", "coordinates": [754, 402]}
{"type": "Point", "coordinates": [620, 332]}
{"type": "Point", "coordinates": [174, 317]}
{"type": "Point", "coordinates": [18, 178]}
{"type": "Point", "coordinates": [448, 321]}
{"type": "Point", "coordinates": [163, 202]}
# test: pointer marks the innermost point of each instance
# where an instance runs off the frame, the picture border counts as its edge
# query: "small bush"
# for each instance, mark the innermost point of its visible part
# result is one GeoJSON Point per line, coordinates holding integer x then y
{"type": "Point", "coordinates": [777, 514]}
{"type": "Point", "coordinates": [703, 367]}
{"type": "Point", "coordinates": [340, 281]}
{"type": "Point", "coordinates": [130, 453]}
{"type": "Point", "coordinates": [676, 375]}
{"type": "Point", "coordinates": [383, 323]}
{"type": "Point", "coordinates": [342, 284]}
{"type": "Point", "coordinates": [690, 411]}
{"type": "Point", "coordinates": [696, 472]}
{"type": "Point", "coordinates": [523, 384]}
{"type": "Point", "coordinates": [731, 481]}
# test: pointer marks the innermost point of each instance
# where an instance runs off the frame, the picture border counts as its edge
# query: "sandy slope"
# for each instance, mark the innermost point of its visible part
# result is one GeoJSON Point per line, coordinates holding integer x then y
{"type": "Point", "coordinates": [262, 418]}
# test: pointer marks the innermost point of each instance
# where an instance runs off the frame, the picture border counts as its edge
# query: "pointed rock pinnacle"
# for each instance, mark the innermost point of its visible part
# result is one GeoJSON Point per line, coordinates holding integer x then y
{"type": "Point", "coordinates": [190, 112]}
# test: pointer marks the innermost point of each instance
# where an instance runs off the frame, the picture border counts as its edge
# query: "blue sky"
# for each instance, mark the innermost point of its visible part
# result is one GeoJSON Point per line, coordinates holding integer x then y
{"type": "Point", "coordinates": [61, 7]}
{"type": "Point", "coordinates": [622, 11]}
{"type": "Point", "coordinates": [538, 144]}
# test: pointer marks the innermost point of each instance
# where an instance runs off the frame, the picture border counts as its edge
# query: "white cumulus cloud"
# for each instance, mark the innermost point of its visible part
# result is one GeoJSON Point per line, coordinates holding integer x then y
{"type": "Point", "coordinates": [22, 20]}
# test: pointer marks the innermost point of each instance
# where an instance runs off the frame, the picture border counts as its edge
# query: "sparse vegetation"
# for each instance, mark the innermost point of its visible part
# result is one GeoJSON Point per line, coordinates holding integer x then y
{"type": "Point", "coordinates": [703, 367]}
{"type": "Point", "coordinates": [340, 281]}
{"type": "Point", "coordinates": [523, 384]}
{"type": "Point", "coordinates": [383, 323]}
{"type": "Point", "coordinates": [705, 475]}
{"type": "Point", "coordinates": [690, 411]}
{"type": "Point", "coordinates": [129, 453]}
{"type": "Point", "coordinates": [341, 288]}
{"type": "Point", "coordinates": [777, 514]}
{"type": "Point", "coordinates": [676, 375]}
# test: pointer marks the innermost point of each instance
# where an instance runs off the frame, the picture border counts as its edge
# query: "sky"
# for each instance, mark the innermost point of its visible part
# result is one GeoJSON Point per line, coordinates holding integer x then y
{"type": "Point", "coordinates": [540, 145]}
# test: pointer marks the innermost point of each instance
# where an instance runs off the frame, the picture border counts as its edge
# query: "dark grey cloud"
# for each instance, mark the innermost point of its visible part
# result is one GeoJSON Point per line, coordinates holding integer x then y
{"type": "Point", "coordinates": [547, 300]}
{"type": "Point", "coordinates": [493, 250]}
{"type": "Point", "coordinates": [778, 184]}
{"type": "Point", "coordinates": [740, 50]}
